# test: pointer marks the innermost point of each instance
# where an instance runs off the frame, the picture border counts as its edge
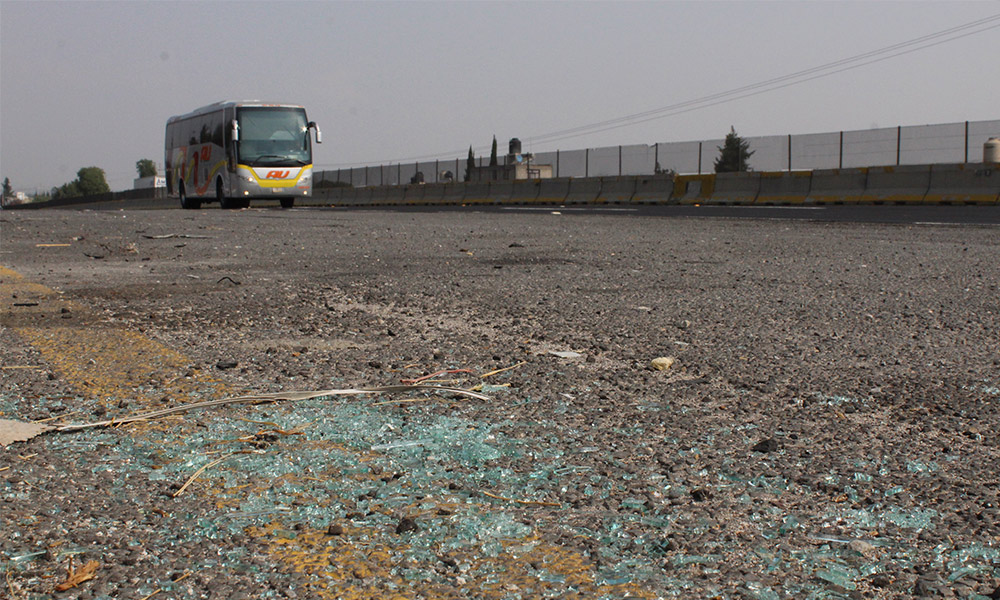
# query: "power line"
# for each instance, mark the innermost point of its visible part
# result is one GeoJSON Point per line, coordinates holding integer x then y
{"type": "Point", "coordinates": [776, 83]}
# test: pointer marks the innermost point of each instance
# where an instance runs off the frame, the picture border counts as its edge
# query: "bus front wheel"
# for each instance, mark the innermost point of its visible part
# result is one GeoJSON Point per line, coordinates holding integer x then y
{"type": "Point", "coordinates": [220, 195]}
{"type": "Point", "coordinates": [187, 203]}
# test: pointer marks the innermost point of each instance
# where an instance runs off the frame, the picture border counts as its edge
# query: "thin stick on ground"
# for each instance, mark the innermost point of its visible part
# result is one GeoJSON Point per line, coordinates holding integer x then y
{"type": "Point", "coordinates": [275, 397]}
{"type": "Point", "coordinates": [435, 374]}
{"type": "Point", "coordinates": [205, 468]}
{"type": "Point", "coordinates": [535, 502]}
{"type": "Point", "coordinates": [491, 373]}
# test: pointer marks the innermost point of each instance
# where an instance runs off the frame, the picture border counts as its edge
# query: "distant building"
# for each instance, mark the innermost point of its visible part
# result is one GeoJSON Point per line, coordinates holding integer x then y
{"type": "Point", "coordinates": [515, 166]}
{"type": "Point", "coordinates": [145, 183]}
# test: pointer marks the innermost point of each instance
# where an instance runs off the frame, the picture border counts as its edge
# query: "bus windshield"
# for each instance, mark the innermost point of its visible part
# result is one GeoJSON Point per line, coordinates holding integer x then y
{"type": "Point", "coordinates": [273, 136]}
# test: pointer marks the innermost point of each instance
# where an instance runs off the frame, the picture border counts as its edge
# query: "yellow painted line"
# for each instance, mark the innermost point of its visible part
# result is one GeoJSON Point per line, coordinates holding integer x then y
{"type": "Point", "coordinates": [97, 358]}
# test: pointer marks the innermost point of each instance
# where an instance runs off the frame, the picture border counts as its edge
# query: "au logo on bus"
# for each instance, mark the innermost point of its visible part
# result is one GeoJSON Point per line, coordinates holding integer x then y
{"type": "Point", "coordinates": [276, 174]}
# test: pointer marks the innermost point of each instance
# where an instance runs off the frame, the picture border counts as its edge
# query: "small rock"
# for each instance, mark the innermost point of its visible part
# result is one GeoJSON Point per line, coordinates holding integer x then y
{"type": "Point", "coordinates": [862, 547]}
{"type": "Point", "coordinates": [407, 524]}
{"type": "Point", "coordinates": [768, 445]}
{"type": "Point", "coordinates": [335, 529]}
{"type": "Point", "coordinates": [923, 589]}
{"type": "Point", "coordinates": [662, 363]}
{"type": "Point", "coordinates": [700, 495]}
{"type": "Point", "coordinates": [222, 365]}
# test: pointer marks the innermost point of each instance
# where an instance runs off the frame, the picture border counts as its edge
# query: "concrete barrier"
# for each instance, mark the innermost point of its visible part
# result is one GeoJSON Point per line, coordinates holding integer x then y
{"type": "Point", "coordinates": [433, 193]}
{"type": "Point", "coordinates": [973, 183]}
{"type": "Point", "coordinates": [617, 190]}
{"type": "Point", "coordinates": [413, 193]}
{"type": "Point", "coordinates": [477, 192]}
{"type": "Point", "coordinates": [897, 185]}
{"type": "Point", "coordinates": [784, 187]}
{"type": "Point", "coordinates": [392, 195]}
{"type": "Point", "coordinates": [501, 191]}
{"type": "Point", "coordinates": [837, 186]}
{"type": "Point", "coordinates": [525, 191]}
{"type": "Point", "coordinates": [553, 191]}
{"type": "Point", "coordinates": [379, 195]}
{"type": "Point", "coordinates": [363, 196]}
{"type": "Point", "coordinates": [454, 193]}
{"type": "Point", "coordinates": [653, 190]}
{"type": "Point", "coordinates": [693, 189]}
{"type": "Point", "coordinates": [583, 190]}
{"type": "Point", "coordinates": [331, 195]}
{"type": "Point", "coordinates": [348, 196]}
{"type": "Point", "coordinates": [735, 188]}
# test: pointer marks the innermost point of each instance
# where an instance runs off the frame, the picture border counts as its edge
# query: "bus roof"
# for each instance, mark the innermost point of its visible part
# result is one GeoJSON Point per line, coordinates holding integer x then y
{"type": "Point", "coordinates": [228, 104]}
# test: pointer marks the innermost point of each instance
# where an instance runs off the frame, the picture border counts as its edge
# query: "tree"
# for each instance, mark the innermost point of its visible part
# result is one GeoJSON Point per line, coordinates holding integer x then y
{"type": "Point", "coordinates": [493, 153]}
{"type": "Point", "coordinates": [146, 167]}
{"type": "Point", "coordinates": [470, 165]}
{"type": "Point", "coordinates": [733, 154]}
{"type": "Point", "coordinates": [89, 181]}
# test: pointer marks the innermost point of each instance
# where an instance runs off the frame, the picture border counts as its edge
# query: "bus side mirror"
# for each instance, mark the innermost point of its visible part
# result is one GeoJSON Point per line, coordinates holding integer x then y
{"type": "Point", "coordinates": [319, 134]}
{"type": "Point", "coordinates": [236, 131]}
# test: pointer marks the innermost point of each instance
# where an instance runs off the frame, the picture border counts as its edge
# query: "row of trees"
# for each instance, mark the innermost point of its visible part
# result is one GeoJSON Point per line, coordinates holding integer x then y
{"type": "Point", "coordinates": [89, 181]}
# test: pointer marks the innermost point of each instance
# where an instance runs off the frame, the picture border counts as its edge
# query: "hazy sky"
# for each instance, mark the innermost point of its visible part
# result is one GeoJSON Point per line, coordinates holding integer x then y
{"type": "Point", "coordinates": [93, 83]}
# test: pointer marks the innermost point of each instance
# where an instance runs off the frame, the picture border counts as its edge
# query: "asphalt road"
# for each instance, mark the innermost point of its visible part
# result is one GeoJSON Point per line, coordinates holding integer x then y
{"type": "Point", "coordinates": [823, 424]}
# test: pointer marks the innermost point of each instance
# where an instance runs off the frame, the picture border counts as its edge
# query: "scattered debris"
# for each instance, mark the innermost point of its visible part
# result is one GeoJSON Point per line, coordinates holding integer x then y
{"type": "Point", "coordinates": [662, 363]}
{"type": "Point", "coordinates": [75, 577]}
{"type": "Point", "coordinates": [168, 236]}
{"type": "Point", "coordinates": [223, 365]}
{"type": "Point", "coordinates": [19, 431]}
{"type": "Point", "coordinates": [231, 280]}
{"type": "Point", "coordinates": [565, 354]}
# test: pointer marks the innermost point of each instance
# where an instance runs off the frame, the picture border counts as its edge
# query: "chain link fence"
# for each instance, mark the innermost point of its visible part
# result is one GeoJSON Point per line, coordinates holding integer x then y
{"type": "Point", "coordinates": [959, 142]}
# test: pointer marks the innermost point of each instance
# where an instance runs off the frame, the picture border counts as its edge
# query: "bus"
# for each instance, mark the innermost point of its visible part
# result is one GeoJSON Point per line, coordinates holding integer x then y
{"type": "Point", "coordinates": [233, 152]}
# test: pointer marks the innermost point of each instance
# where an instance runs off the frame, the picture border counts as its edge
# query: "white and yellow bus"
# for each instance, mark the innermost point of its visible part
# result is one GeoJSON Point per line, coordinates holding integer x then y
{"type": "Point", "coordinates": [233, 152]}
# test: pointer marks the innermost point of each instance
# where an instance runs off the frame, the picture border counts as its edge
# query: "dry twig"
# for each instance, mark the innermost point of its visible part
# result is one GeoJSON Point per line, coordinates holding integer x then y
{"type": "Point", "coordinates": [537, 502]}
{"type": "Point", "coordinates": [435, 374]}
{"type": "Point", "coordinates": [491, 373]}
{"type": "Point", "coordinates": [275, 397]}
{"type": "Point", "coordinates": [204, 468]}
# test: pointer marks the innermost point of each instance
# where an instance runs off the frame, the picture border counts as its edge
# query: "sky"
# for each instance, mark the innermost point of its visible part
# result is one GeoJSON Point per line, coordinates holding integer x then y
{"type": "Point", "coordinates": [93, 83]}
